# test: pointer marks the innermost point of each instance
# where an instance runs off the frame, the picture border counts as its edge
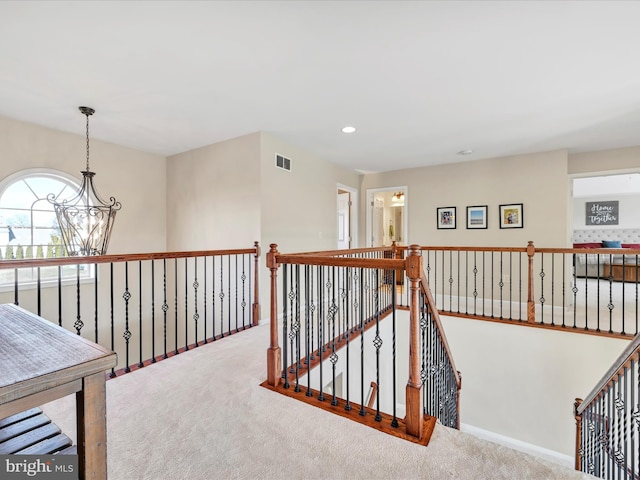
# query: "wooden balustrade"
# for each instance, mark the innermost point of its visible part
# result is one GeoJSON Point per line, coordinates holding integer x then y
{"type": "Point", "coordinates": [417, 425]}
{"type": "Point", "coordinates": [139, 304]}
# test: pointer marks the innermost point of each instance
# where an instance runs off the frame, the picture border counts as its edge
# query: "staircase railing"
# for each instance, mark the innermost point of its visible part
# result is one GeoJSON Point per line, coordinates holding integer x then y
{"type": "Point", "coordinates": [608, 421]}
{"type": "Point", "coordinates": [541, 287]}
{"type": "Point", "coordinates": [341, 333]}
{"type": "Point", "coordinates": [145, 307]}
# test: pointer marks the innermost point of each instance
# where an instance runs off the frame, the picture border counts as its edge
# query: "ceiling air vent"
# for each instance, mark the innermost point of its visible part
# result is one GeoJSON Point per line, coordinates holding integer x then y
{"type": "Point", "coordinates": [283, 162]}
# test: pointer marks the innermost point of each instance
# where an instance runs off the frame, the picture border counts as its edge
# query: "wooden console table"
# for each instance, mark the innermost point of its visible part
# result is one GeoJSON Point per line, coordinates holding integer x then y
{"type": "Point", "coordinates": [41, 362]}
{"type": "Point", "coordinates": [621, 273]}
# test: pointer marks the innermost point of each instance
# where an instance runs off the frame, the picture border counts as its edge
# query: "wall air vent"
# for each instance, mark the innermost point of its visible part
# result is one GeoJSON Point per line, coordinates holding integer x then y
{"type": "Point", "coordinates": [283, 162]}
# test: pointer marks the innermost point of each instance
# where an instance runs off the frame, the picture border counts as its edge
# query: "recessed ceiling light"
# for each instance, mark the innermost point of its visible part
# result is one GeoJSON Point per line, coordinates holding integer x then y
{"type": "Point", "coordinates": [465, 152]}
{"type": "Point", "coordinates": [348, 129]}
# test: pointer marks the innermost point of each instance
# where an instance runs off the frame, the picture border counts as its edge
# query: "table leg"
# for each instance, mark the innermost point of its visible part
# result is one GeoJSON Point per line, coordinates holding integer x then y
{"type": "Point", "coordinates": [91, 418]}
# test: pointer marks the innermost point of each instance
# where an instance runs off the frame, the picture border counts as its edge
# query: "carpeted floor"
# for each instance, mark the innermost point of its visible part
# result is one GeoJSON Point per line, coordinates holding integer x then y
{"type": "Point", "coordinates": [203, 415]}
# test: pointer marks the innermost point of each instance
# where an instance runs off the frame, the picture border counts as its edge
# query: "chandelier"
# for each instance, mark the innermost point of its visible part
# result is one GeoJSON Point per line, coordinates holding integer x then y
{"type": "Point", "coordinates": [85, 220]}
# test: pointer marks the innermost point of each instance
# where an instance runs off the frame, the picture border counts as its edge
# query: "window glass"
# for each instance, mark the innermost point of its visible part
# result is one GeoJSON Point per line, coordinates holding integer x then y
{"type": "Point", "coordinates": [28, 223]}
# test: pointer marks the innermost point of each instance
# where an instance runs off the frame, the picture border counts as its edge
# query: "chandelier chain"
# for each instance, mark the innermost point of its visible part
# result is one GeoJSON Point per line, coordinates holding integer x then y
{"type": "Point", "coordinates": [87, 142]}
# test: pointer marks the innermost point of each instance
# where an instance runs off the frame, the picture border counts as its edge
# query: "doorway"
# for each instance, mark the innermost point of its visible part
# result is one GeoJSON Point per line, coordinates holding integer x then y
{"type": "Point", "coordinates": [386, 216]}
{"type": "Point", "coordinates": [347, 217]}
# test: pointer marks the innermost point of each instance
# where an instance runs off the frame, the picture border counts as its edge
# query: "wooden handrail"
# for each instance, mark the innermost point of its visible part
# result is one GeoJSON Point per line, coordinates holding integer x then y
{"type": "Point", "coordinates": [351, 251]}
{"type": "Point", "coordinates": [132, 257]}
{"type": "Point", "coordinates": [624, 360]}
{"type": "Point", "coordinates": [381, 263]}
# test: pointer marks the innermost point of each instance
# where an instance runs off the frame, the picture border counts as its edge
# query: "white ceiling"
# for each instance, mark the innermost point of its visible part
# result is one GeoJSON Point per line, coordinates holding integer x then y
{"type": "Point", "coordinates": [421, 80]}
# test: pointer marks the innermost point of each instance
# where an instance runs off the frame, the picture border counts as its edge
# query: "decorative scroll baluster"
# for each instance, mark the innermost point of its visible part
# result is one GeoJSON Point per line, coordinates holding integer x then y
{"type": "Point", "coordinates": [295, 328]}
{"type": "Point", "coordinates": [196, 316]}
{"type": "Point", "coordinates": [243, 304]}
{"type": "Point", "coordinates": [377, 343]}
{"type": "Point", "coordinates": [307, 325]}
{"type": "Point", "coordinates": [333, 311]}
{"type": "Point", "coordinates": [165, 307]}
{"type": "Point", "coordinates": [285, 320]}
{"type": "Point", "coordinates": [127, 333]}
{"type": "Point", "coordinates": [213, 298]}
{"type": "Point", "coordinates": [221, 296]}
{"type": "Point", "coordinates": [186, 304]}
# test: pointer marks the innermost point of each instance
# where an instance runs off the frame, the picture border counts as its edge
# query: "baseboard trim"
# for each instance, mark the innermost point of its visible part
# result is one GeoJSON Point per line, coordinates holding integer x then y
{"type": "Point", "coordinates": [531, 449]}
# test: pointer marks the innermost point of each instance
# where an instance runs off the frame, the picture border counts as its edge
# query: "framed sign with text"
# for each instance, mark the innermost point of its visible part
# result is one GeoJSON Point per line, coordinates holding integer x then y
{"type": "Point", "coordinates": [601, 213]}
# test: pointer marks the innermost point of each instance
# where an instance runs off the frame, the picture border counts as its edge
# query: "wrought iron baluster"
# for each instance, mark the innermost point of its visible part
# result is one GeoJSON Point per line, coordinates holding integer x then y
{"type": "Point", "coordinates": [39, 293]}
{"type": "Point", "coordinates": [153, 312]}
{"type": "Point", "coordinates": [112, 303]}
{"type": "Point", "coordinates": [229, 293]}
{"type": "Point", "coordinates": [542, 298]}
{"type": "Point", "coordinates": [60, 297]}
{"type": "Point", "coordinates": [362, 411]}
{"type": "Point", "coordinates": [140, 364]}
{"type": "Point", "coordinates": [377, 343]}
{"type": "Point", "coordinates": [347, 285]}
{"type": "Point", "coordinates": [307, 326]}
{"type": "Point", "coordinates": [296, 328]}
{"type": "Point", "coordinates": [321, 320]}
{"type": "Point", "coordinates": [186, 304]}
{"type": "Point", "coordinates": [175, 302]}
{"type": "Point", "coordinates": [243, 277]}
{"type": "Point", "coordinates": [78, 323]}
{"type": "Point", "coordinates": [165, 307]}
{"type": "Point", "coordinates": [213, 298]}
{"type": "Point", "coordinates": [236, 277]}
{"type": "Point", "coordinates": [204, 298]}
{"type": "Point", "coordinates": [221, 296]}
{"type": "Point", "coordinates": [127, 333]}
{"type": "Point", "coordinates": [196, 315]}
{"type": "Point", "coordinates": [15, 286]}
{"type": "Point", "coordinates": [475, 283]}
{"type": "Point", "coordinates": [95, 297]}
{"type": "Point", "coordinates": [333, 311]}
{"type": "Point", "coordinates": [285, 319]}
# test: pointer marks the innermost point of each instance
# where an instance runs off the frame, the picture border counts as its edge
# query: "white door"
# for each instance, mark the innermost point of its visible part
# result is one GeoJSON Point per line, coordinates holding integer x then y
{"type": "Point", "coordinates": [344, 222]}
{"type": "Point", "coordinates": [377, 230]}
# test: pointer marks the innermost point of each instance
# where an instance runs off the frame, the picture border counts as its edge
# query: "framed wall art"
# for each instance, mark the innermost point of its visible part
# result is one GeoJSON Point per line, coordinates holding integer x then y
{"type": "Point", "coordinates": [511, 215]}
{"type": "Point", "coordinates": [477, 216]}
{"type": "Point", "coordinates": [446, 217]}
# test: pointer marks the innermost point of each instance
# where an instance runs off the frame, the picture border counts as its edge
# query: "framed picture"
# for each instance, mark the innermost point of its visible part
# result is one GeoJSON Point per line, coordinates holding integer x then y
{"type": "Point", "coordinates": [511, 215]}
{"type": "Point", "coordinates": [446, 217]}
{"type": "Point", "coordinates": [477, 216]}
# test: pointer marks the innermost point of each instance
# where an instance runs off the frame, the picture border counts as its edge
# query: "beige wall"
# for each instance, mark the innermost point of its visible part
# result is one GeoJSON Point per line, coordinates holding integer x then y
{"type": "Point", "coordinates": [299, 208]}
{"type": "Point", "coordinates": [213, 196]}
{"type": "Point", "coordinates": [522, 382]}
{"type": "Point", "coordinates": [136, 179]}
{"type": "Point", "coordinates": [538, 181]}
{"type": "Point", "coordinates": [621, 159]}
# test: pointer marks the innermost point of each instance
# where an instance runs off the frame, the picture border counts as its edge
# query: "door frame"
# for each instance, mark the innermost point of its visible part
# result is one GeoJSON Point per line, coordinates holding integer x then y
{"type": "Point", "coordinates": [369, 209]}
{"type": "Point", "coordinates": [353, 213]}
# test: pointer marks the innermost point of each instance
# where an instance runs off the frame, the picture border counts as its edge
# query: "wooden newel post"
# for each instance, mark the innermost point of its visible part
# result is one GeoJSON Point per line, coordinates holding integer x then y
{"type": "Point", "coordinates": [256, 283]}
{"type": "Point", "coordinates": [274, 362]}
{"type": "Point", "coordinates": [414, 415]}
{"type": "Point", "coordinates": [394, 250]}
{"type": "Point", "coordinates": [531, 306]}
{"type": "Point", "coordinates": [578, 418]}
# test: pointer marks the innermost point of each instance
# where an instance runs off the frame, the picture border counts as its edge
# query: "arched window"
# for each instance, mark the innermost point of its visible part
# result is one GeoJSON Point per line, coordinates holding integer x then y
{"type": "Point", "coordinates": [28, 223]}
